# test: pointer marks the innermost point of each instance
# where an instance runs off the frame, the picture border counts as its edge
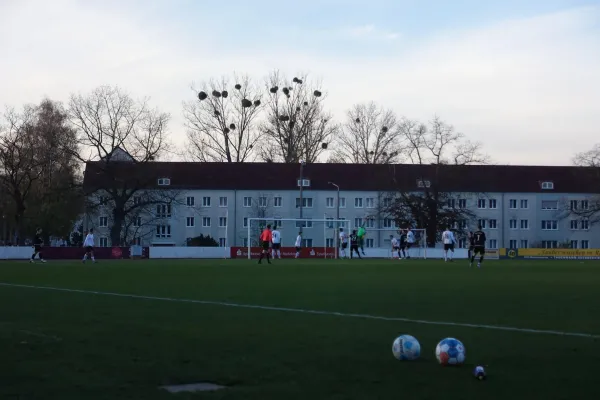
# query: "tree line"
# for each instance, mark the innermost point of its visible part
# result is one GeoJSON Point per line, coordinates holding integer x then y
{"type": "Point", "coordinates": [44, 148]}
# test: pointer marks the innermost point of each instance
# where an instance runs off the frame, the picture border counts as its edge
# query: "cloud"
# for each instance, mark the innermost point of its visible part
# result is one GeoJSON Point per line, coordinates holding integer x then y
{"type": "Point", "coordinates": [527, 88]}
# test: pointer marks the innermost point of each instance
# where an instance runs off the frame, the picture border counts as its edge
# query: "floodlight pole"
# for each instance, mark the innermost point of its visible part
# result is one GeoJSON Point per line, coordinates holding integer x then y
{"type": "Point", "coordinates": [337, 216]}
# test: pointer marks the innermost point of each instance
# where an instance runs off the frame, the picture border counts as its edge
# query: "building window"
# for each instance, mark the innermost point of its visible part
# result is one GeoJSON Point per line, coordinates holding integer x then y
{"type": "Point", "coordinates": [493, 203]}
{"type": "Point", "coordinates": [223, 201]}
{"type": "Point", "coordinates": [190, 201]}
{"type": "Point", "coordinates": [462, 203]}
{"type": "Point", "coordinates": [137, 222]}
{"type": "Point", "coordinates": [573, 224]}
{"type": "Point", "coordinates": [481, 203]}
{"type": "Point", "coordinates": [190, 222]}
{"type": "Point", "coordinates": [358, 202]}
{"type": "Point", "coordinates": [137, 241]}
{"type": "Point", "coordinates": [389, 223]}
{"type": "Point", "coordinates": [481, 223]}
{"type": "Point", "coordinates": [547, 185]}
{"type": "Point", "coordinates": [524, 244]}
{"type": "Point", "coordinates": [370, 202]}
{"type": "Point", "coordinates": [549, 244]}
{"type": "Point", "coordinates": [462, 224]}
{"type": "Point", "coordinates": [163, 231]}
{"type": "Point", "coordinates": [103, 242]}
{"type": "Point", "coordinates": [358, 222]}
{"type": "Point", "coordinates": [549, 225]}
{"type": "Point", "coordinates": [451, 203]}
{"type": "Point", "coordinates": [573, 244]}
{"type": "Point", "coordinates": [137, 200]}
{"type": "Point", "coordinates": [342, 222]}
{"type": "Point", "coordinates": [512, 244]}
{"type": "Point", "coordinates": [164, 182]}
{"type": "Point", "coordinates": [462, 243]}
{"type": "Point", "coordinates": [342, 202]}
{"type": "Point", "coordinates": [329, 242]}
{"type": "Point", "coordinates": [277, 201]}
{"type": "Point", "coordinates": [370, 243]}
{"type": "Point", "coordinates": [512, 224]}
{"type": "Point", "coordinates": [493, 224]}
{"type": "Point", "coordinates": [329, 223]}
{"type": "Point", "coordinates": [512, 204]}
{"type": "Point", "coordinates": [247, 201]}
{"type": "Point", "coordinates": [585, 244]}
{"type": "Point", "coordinates": [585, 205]}
{"type": "Point", "coordinates": [222, 242]}
{"type": "Point", "coordinates": [585, 224]}
{"type": "Point", "coordinates": [305, 182]}
{"type": "Point", "coordinates": [245, 223]}
{"type": "Point", "coordinates": [307, 243]}
{"type": "Point", "coordinates": [370, 222]}
{"type": "Point", "coordinates": [524, 204]}
{"type": "Point", "coordinates": [245, 241]}
{"type": "Point", "coordinates": [163, 211]}
{"type": "Point", "coordinates": [222, 222]}
{"type": "Point", "coordinates": [103, 222]}
{"type": "Point", "coordinates": [307, 202]}
{"type": "Point", "coordinates": [549, 205]}
{"type": "Point", "coordinates": [304, 224]}
{"type": "Point", "coordinates": [493, 244]}
{"type": "Point", "coordinates": [206, 222]}
{"type": "Point", "coordinates": [524, 224]}
{"type": "Point", "coordinates": [206, 201]}
{"type": "Point", "coordinates": [574, 204]}
{"type": "Point", "coordinates": [387, 201]}
{"type": "Point", "coordinates": [329, 203]}
{"type": "Point", "coordinates": [423, 183]}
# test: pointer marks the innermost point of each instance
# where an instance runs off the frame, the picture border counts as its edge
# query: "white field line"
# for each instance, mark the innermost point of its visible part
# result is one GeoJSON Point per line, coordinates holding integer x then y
{"type": "Point", "coordinates": [304, 311]}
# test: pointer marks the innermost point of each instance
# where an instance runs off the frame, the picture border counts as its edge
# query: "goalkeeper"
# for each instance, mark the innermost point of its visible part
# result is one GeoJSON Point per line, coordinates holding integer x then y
{"type": "Point", "coordinates": [362, 232]}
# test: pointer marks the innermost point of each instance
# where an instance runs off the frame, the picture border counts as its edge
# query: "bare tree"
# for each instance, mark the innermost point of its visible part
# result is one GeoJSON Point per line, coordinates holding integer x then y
{"type": "Point", "coordinates": [222, 122]}
{"type": "Point", "coordinates": [297, 126]}
{"type": "Point", "coordinates": [119, 136]}
{"type": "Point", "coordinates": [371, 135]}
{"type": "Point", "coordinates": [430, 204]}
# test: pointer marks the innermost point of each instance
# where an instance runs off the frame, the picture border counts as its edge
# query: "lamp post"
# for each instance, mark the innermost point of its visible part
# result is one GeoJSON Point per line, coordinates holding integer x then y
{"type": "Point", "coordinates": [302, 163]}
{"type": "Point", "coordinates": [337, 217]}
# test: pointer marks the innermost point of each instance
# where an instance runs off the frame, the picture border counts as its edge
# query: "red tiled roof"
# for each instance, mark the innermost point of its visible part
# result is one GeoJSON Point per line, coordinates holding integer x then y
{"type": "Point", "coordinates": [353, 177]}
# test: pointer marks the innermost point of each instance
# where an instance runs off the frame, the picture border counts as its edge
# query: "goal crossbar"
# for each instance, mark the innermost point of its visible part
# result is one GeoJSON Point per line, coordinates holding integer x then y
{"type": "Point", "coordinates": [333, 224]}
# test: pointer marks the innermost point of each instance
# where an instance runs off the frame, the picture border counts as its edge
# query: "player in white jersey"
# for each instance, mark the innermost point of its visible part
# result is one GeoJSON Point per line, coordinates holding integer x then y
{"type": "Point", "coordinates": [448, 240]}
{"type": "Point", "coordinates": [343, 243]}
{"type": "Point", "coordinates": [276, 240]}
{"type": "Point", "coordinates": [298, 244]}
{"type": "Point", "coordinates": [410, 241]}
{"type": "Point", "coordinates": [88, 244]}
{"type": "Point", "coordinates": [395, 246]}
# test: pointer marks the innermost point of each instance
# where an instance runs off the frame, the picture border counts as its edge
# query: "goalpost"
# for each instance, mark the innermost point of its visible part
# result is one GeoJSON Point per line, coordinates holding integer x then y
{"type": "Point", "coordinates": [320, 233]}
{"type": "Point", "coordinates": [324, 233]}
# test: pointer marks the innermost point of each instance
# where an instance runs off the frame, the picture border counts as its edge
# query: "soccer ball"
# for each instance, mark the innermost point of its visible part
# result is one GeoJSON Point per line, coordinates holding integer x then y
{"type": "Point", "coordinates": [406, 347]}
{"type": "Point", "coordinates": [450, 351]}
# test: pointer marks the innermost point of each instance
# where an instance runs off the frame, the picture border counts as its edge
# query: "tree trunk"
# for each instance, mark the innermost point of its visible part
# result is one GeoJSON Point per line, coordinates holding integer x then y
{"type": "Point", "coordinates": [117, 226]}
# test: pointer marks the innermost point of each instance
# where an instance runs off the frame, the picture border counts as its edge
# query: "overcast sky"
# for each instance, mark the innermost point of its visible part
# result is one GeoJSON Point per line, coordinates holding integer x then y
{"type": "Point", "coordinates": [523, 77]}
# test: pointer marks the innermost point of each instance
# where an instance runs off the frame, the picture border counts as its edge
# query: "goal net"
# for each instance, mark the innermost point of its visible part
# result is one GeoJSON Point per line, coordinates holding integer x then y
{"type": "Point", "coordinates": [320, 238]}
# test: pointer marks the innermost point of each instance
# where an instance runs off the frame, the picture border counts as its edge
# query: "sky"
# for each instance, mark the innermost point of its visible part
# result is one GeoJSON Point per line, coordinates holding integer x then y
{"type": "Point", "coordinates": [521, 77]}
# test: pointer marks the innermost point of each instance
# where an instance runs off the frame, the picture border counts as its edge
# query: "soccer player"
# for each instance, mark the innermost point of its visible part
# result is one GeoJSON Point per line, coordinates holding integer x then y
{"type": "Point", "coordinates": [354, 244]}
{"type": "Point", "coordinates": [276, 243]}
{"type": "Point", "coordinates": [478, 246]}
{"type": "Point", "coordinates": [266, 237]}
{"type": "Point", "coordinates": [343, 242]}
{"type": "Point", "coordinates": [88, 243]}
{"type": "Point", "coordinates": [402, 244]}
{"type": "Point", "coordinates": [410, 241]}
{"type": "Point", "coordinates": [395, 246]}
{"type": "Point", "coordinates": [298, 244]}
{"type": "Point", "coordinates": [37, 246]}
{"type": "Point", "coordinates": [448, 240]}
{"type": "Point", "coordinates": [362, 232]}
{"type": "Point", "coordinates": [470, 251]}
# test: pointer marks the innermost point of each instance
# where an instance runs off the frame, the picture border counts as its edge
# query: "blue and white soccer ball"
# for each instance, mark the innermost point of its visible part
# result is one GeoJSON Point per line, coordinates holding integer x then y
{"type": "Point", "coordinates": [450, 351]}
{"type": "Point", "coordinates": [406, 347]}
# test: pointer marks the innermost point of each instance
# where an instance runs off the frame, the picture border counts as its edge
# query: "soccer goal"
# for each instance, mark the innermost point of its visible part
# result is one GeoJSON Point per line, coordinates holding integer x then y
{"type": "Point", "coordinates": [380, 240]}
{"type": "Point", "coordinates": [319, 236]}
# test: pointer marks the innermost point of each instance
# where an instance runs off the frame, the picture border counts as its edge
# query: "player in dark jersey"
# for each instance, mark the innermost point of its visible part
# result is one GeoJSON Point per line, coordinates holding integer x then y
{"type": "Point", "coordinates": [37, 246]}
{"type": "Point", "coordinates": [403, 244]}
{"type": "Point", "coordinates": [354, 244]}
{"type": "Point", "coordinates": [478, 246]}
{"type": "Point", "coordinates": [470, 251]}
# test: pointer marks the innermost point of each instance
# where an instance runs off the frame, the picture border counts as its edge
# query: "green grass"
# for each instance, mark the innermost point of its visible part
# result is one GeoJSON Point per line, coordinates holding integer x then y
{"type": "Point", "coordinates": [61, 345]}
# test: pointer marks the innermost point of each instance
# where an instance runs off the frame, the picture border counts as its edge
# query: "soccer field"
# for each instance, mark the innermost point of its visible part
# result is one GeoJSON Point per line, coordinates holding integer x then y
{"type": "Point", "coordinates": [252, 329]}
